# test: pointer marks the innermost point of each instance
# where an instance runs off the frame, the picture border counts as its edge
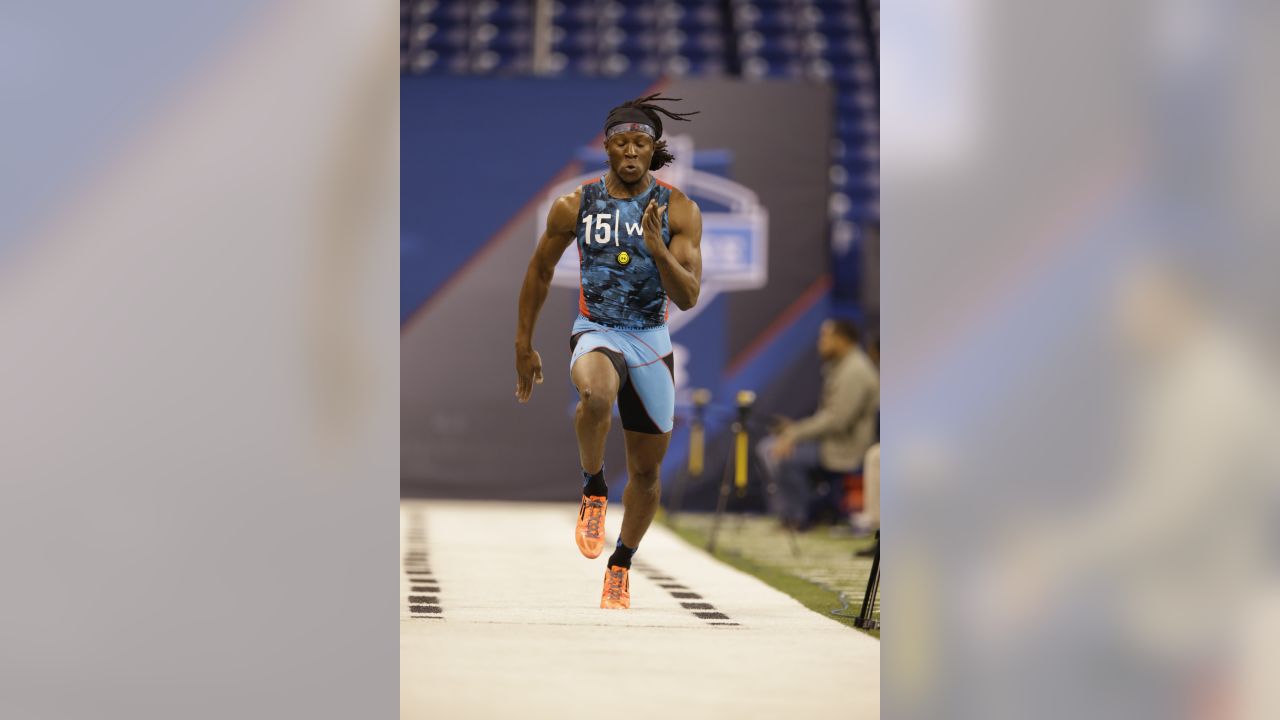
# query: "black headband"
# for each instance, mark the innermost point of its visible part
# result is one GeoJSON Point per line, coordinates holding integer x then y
{"type": "Point", "coordinates": [630, 115]}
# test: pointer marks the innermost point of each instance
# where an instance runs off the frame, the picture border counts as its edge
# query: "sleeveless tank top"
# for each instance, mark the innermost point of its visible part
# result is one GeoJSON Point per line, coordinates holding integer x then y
{"type": "Point", "coordinates": [620, 285]}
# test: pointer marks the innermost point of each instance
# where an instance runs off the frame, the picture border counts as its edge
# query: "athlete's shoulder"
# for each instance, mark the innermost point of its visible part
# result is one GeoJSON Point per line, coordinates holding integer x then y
{"type": "Point", "coordinates": [564, 211]}
{"type": "Point", "coordinates": [676, 194]}
{"type": "Point", "coordinates": [573, 197]}
{"type": "Point", "coordinates": [674, 190]}
{"type": "Point", "coordinates": [677, 200]}
{"type": "Point", "coordinates": [683, 214]}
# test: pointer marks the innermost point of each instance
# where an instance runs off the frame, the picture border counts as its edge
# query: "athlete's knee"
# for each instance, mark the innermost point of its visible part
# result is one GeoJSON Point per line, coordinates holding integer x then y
{"type": "Point", "coordinates": [595, 403]}
{"type": "Point", "coordinates": [645, 480]}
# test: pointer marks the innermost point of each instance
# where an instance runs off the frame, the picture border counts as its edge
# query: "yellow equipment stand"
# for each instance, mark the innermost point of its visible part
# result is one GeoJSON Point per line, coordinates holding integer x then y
{"type": "Point", "coordinates": [697, 451]}
{"type": "Point", "coordinates": [738, 468]}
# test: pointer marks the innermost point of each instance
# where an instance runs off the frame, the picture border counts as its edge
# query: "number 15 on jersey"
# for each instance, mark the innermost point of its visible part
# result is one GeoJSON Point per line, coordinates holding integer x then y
{"type": "Point", "coordinates": [604, 232]}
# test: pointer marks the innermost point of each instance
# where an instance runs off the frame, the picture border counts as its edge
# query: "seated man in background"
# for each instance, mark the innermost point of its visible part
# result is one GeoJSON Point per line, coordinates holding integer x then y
{"type": "Point", "coordinates": [831, 443]}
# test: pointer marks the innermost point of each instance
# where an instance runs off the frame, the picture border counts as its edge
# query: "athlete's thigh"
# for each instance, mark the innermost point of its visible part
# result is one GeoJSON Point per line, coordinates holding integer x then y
{"type": "Point", "coordinates": [596, 364]}
{"type": "Point", "coordinates": [594, 370]}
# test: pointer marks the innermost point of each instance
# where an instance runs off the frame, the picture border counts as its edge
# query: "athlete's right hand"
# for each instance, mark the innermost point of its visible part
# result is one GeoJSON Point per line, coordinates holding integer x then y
{"type": "Point", "coordinates": [528, 372]}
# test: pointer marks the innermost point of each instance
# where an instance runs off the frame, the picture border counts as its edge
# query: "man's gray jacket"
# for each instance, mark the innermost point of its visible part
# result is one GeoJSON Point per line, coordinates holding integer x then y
{"type": "Point", "coordinates": [845, 422]}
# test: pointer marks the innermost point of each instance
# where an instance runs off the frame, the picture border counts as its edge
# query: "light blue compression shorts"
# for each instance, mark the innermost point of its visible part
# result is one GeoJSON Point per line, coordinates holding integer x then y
{"type": "Point", "coordinates": [646, 375]}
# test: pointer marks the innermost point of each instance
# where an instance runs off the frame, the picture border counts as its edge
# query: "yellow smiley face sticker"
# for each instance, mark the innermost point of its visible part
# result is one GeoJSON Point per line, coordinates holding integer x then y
{"type": "Point", "coordinates": [623, 258]}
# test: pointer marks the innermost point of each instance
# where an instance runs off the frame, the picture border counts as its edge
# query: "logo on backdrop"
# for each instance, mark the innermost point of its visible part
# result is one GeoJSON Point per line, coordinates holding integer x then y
{"type": "Point", "coordinates": [735, 229]}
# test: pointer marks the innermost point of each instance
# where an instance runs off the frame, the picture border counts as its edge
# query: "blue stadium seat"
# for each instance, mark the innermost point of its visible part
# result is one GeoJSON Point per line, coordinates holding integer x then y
{"type": "Point", "coordinates": [511, 23]}
{"type": "Point", "coordinates": [839, 205]}
{"type": "Point", "coordinates": [709, 41]}
{"type": "Point", "coordinates": [587, 65]}
{"type": "Point", "coordinates": [446, 22]}
{"type": "Point", "coordinates": [776, 47]}
{"type": "Point", "coordinates": [578, 40]}
{"type": "Point", "coordinates": [704, 18]}
{"type": "Point", "coordinates": [584, 12]}
{"type": "Point", "coordinates": [838, 176]}
{"type": "Point", "coordinates": [779, 22]}
{"type": "Point", "coordinates": [457, 62]}
{"type": "Point", "coordinates": [416, 10]}
{"type": "Point", "coordinates": [790, 69]}
{"type": "Point", "coordinates": [846, 75]}
{"type": "Point", "coordinates": [512, 41]}
{"type": "Point", "coordinates": [456, 11]}
{"type": "Point", "coordinates": [454, 39]}
{"type": "Point", "coordinates": [573, 54]}
{"type": "Point", "coordinates": [699, 54]}
{"type": "Point", "coordinates": [848, 104]}
{"type": "Point", "coordinates": [859, 195]}
{"type": "Point", "coordinates": [839, 22]}
{"type": "Point", "coordinates": [641, 42]}
{"type": "Point", "coordinates": [859, 167]}
{"type": "Point", "coordinates": [512, 12]}
{"type": "Point", "coordinates": [632, 24]}
{"type": "Point", "coordinates": [669, 41]}
{"type": "Point", "coordinates": [709, 67]}
{"type": "Point", "coordinates": [575, 24]}
{"type": "Point", "coordinates": [779, 56]}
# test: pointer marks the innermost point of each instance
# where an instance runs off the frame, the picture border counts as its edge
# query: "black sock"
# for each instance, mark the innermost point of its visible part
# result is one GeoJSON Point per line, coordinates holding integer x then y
{"type": "Point", "coordinates": [594, 484]}
{"type": "Point", "coordinates": [622, 555]}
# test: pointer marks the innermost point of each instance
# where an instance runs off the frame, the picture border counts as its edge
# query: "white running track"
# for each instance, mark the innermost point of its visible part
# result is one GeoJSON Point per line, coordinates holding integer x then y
{"type": "Point", "coordinates": [519, 632]}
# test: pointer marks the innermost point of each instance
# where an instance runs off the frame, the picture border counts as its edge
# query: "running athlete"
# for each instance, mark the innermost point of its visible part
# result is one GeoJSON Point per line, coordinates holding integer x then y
{"type": "Point", "coordinates": [639, 245]}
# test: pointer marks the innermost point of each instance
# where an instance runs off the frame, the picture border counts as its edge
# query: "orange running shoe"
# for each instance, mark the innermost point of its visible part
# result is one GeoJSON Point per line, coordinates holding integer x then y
{"type": "Point", "coordinates": [617, 589]}
{"type": "Point", "coordinates": [590, 531]}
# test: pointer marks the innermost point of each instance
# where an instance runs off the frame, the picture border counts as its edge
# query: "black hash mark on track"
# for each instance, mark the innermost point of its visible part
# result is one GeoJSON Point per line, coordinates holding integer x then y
{"type": "Point", "coordinates": [680, 591]}
{"type": "Point", "coordinates": [417, 567]}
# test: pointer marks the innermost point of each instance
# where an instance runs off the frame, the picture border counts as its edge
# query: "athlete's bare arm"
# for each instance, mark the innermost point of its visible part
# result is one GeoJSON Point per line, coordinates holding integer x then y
{"type": "Point", "coordinates": [680, 264]}
{"type": "Point", "coordinates": [559, 235]}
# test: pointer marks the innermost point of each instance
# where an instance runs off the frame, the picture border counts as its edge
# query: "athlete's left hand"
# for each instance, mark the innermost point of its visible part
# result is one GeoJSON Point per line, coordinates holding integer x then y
{"type": "Point", "coordinates": [652, 223]}
{"type": "Point", "coordinates": [528, 372]}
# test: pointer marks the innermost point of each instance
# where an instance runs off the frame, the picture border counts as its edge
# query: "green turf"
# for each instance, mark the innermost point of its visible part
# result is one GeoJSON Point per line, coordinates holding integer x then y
{"type": "Point", "coordinates": [824, 576]}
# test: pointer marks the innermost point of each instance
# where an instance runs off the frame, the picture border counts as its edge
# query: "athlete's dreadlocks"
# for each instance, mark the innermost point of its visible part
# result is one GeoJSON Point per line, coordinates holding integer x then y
{"type": "Point", "coordinates": [644, 111]}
